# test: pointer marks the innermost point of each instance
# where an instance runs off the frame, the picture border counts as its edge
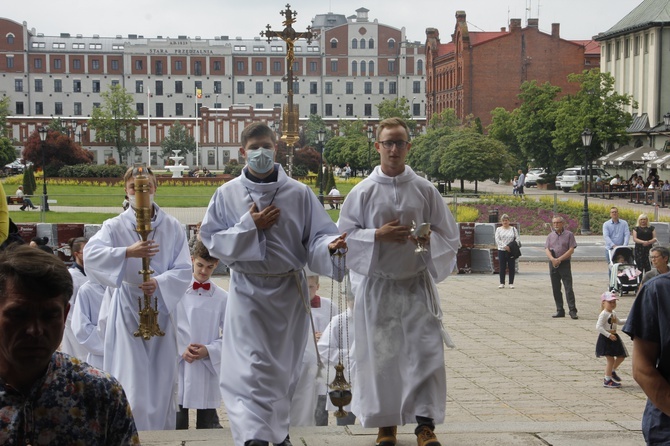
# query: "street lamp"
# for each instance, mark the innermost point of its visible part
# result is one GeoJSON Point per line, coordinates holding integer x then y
{"type": "Point", "coordinates": [371, 137]}
{"type": "Point", "coordinates": [321, 135]}
{"type": "Point", "coordinates": [45, 200]}
{"type": "Point", "coordinates": [587, 136]}
{"type": "Point", "coordinates": [666, 120]}
{"type": "Point", "coordinates": [84, 128]}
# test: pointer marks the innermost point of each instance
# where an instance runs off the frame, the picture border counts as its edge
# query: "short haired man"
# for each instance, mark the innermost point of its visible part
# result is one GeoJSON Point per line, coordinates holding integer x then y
{"type": "Point", "coordinates": [615, 232]}
{"type": "Point", "coordinates": [26, 201]}
{"type": "Point", "coordinates": [559, 247]}
{"type": "Point", "coordinates": [659, 256]}
{"type": "Point", "coordinates": [48, 397]}
{"type": "Point", "coordinates": [520, 183]}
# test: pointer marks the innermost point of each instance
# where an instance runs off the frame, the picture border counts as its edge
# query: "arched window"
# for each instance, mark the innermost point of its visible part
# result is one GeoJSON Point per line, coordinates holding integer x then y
{"type": "Point", "coordinates": [371, 44]}
{"type": "Point", "coordinates": [362, 68]}
{"type": "Point", "coordinates": [333, 43]}
{"type": "Point", "coordinates": [371, 68]}
{"type": "Point", "coordinates": [419, 67]}
{"type": "Point", "coordinates": [10, 39]}
{"type": "Point", "coordinates": [391, 43]}
{"type": "Point", "coordinates": [362, 44]}
{"type": "Point", "coordinates": [354, 68]}
{"type": "Point", "coordinates": [354, 43]}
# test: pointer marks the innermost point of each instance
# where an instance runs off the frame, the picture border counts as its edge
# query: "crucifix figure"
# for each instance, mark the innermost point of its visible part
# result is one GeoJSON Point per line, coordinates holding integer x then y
{"type": "Point", "coordinates": [290, 133]}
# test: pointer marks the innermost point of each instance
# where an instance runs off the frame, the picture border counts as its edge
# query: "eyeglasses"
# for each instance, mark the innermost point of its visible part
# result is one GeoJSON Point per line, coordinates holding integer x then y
{"type": "Point", "coordinates": [400, 144]}
{"type": "Point", "coordinates": [654, 257]}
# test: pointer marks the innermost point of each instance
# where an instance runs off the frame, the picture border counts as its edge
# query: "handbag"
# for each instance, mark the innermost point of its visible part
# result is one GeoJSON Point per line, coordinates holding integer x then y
{"type": "Point", "coordinates": [514, 247]}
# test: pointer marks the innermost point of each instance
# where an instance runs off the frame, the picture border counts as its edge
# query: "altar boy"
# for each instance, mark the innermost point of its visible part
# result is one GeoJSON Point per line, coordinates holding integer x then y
{"type": "Point", "coordinates": [200, 323]}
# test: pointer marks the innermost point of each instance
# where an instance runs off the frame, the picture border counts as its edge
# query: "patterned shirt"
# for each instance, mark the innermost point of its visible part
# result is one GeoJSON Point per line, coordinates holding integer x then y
{"type": "Point", "coordinates": [72, 404]}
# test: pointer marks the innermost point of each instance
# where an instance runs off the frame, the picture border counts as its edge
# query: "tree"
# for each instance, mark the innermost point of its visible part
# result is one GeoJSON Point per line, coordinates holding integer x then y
{"type": "Point", "coordinates": [426, 151]}
{"type": "Point", "coordinates": [29, 183]}
{"type": "Point", "coordinates": [178, 138]}
{"type": "Point", "coordinates": [7, 151]}
{"type": "Point", "coordinates": [503, 128]}
{"type": "Point", "coordinates": [596, 106]}
{"type": "Point", "coordinates": [351, 146]}
{"type": "Point", "coordinates": [4, 112]}
{"type": "Point", "coordinates": [396, 108]}
{"type": "Point", "coordinates": [59, 151]}
{"type": "Point", "coordinates": [115, 121]}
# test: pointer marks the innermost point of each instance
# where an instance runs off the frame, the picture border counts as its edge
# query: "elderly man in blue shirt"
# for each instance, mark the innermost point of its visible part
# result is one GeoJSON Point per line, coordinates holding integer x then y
{"type": "Point", "coordinates": [616, 232]}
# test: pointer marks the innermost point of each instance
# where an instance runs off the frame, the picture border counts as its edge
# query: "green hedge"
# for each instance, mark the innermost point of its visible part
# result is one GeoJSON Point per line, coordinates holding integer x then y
{"type": "Point", "coordinates": [93, 171]}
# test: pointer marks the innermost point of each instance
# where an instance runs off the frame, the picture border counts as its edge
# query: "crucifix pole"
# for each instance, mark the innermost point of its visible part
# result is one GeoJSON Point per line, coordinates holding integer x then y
{"type": "Point", "coordinates": [290, 114]}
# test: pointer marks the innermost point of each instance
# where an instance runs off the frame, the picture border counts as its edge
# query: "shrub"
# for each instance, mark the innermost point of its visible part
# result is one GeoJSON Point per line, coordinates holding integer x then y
{"type": "Point", "coordinates": [93, 171]}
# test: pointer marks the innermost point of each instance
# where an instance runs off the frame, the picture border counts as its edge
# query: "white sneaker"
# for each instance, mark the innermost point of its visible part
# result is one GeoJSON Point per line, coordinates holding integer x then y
{"type": "Point", "coordinates": [501, 285]}
{"type": "Point", "coordinates": [511, 286]}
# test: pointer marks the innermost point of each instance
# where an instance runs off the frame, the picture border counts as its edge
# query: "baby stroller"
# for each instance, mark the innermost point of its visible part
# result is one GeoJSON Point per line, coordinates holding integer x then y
{"type": "Point", "coordinates": [624, 276]}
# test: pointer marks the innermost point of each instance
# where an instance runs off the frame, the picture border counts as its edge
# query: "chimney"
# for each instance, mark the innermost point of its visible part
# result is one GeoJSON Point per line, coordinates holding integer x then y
{"type": "Point", "coordinates": [556, 30]}
{"type": "Point", "coordinates": [460, 16]}
{"type": "Point", "coordinates": [503, 29]}
{"type": "Point", "coordinates": [533, 23]}
{"type": "Point", "coordinates": [514, 25]}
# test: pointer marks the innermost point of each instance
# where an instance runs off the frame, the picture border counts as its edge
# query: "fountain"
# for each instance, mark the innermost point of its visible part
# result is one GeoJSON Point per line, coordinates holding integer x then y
{"type": "Point", "coordinates": [178, 169]}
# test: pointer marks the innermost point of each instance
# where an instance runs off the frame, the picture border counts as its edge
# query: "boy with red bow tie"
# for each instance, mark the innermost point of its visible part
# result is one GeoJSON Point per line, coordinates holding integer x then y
{"type": "Point", "coordinates": [200, 322]}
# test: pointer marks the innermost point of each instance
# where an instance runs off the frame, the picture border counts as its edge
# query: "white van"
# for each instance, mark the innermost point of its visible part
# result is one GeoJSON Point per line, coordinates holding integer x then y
{"type": "Point", "coordinates": [575, 175]}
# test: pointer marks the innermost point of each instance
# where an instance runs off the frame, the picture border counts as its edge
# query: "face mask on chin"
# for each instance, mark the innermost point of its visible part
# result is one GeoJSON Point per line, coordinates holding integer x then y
{"type": "Point", "coordinates": [261, 160]}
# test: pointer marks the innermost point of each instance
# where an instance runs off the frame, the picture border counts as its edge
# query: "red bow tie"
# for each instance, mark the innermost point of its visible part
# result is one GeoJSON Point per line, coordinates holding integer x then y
{"type": "Point", "coordinates": [204, 286]}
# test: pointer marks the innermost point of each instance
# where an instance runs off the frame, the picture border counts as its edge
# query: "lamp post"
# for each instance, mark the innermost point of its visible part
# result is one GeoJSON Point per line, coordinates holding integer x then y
{"type": "Point", "coordinates": [666, 120]}
{"type": "Point", "coordinates": [45, 199]}
{"type": "Point", "coordinates": [321, 135]}
{"type": "Point", "coordinates": [587, 136]}
{"type": "Point", "coordinates": [371, 137]}
{"type": "Point", "coordinates": [84, 128]}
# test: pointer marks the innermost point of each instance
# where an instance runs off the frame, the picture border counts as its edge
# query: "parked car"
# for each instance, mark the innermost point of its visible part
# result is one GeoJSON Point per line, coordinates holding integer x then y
{"type": "Point", "coordinates": [13, 168]}
{"type": "Point", "coordinates": [575, 175]}
{"type": "Point", "coordinates": [533, 175]}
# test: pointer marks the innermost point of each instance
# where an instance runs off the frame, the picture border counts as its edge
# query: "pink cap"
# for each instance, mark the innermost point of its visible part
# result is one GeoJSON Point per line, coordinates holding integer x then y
{"type": "Point", "coordinates": [608, 296]}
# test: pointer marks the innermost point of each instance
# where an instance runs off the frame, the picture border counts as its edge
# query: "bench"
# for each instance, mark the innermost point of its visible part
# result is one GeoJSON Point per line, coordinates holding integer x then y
{"type": "Point", "coordinates": [333, 200]}
{"type": "Point", "coordinates": [14, 200]}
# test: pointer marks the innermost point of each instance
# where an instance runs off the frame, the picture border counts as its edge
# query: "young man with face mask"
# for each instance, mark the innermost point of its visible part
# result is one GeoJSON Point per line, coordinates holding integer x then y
{"type": "Point", "coordinates": [147, 369]}
{"type": "Point", "coordinates": [265, 226]}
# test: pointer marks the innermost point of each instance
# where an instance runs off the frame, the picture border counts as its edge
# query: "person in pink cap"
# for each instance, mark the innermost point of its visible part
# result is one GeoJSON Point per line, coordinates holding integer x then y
{"type": "Point", "coordinates": [609, 343]}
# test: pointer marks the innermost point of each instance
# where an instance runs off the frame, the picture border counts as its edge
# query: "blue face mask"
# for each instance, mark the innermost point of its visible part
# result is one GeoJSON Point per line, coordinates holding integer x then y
{"type": "Point", "coordinates": [261, 160]}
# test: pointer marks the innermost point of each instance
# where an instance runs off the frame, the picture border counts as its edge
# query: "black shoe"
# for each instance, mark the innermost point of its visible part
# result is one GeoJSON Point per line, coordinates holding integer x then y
{"type": "Point", "coordinates": [23, 209]}
{"type": "Point", "coordinates": [256, 443]}
{"type": "Point", "coordinates": [559, 314]}
{"type": "Point", "coordinates": [286, 442]}
{"type": "Point", "coordinates": [573, 314]}
{"type": "Point", "coordinates": [33, 207]}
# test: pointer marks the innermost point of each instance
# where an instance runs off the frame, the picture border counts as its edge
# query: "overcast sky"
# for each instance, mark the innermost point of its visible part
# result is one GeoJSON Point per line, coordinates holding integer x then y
{"type": "Point", "coordinates": [579, 19]}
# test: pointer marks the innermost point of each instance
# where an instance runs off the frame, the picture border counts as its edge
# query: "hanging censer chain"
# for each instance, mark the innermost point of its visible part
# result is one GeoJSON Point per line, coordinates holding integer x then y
{"type": "Point", "coordinates": [340, 393]}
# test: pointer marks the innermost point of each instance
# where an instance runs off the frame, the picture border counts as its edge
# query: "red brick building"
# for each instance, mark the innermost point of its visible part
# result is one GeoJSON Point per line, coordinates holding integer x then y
{"type": "Point", "coordinates": [478, 71]}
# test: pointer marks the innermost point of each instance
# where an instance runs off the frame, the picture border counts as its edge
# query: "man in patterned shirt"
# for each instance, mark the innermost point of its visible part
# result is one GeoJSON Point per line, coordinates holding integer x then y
{"type": "Point", "coordinates": [48, 397]}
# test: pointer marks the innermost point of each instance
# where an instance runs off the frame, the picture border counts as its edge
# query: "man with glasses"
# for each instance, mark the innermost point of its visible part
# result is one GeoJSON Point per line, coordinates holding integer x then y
{"type": "Point", "coordinates": [615, 232]}
{"type": "Point", "coordinates": [400, 376]}
{"type": "Point", "coordinates": [659, 260]}
{"type": "Point", "coordinates": [559, 247]}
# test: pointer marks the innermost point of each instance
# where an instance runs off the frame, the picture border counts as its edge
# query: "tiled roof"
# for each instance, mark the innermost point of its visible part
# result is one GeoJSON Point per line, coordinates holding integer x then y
{"type": "Point", "coordinates": [639, 124]}
{"type": "Point", "coordinates": [648, 13]}
{"type": "Point", "coordinates": [591, 47]}
{"type": "Point", "coordinates": [480, 37]}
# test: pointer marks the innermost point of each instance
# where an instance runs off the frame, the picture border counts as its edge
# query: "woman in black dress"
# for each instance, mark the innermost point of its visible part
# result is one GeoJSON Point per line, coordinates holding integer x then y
{"type": "Point", "coordinates": [644, 237]}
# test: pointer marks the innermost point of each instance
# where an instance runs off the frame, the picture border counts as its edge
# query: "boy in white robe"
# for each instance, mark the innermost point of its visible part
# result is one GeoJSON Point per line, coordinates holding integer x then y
{"type": "Point", "coordinates": [266, 227]}
{"type": "Point", "coordinates": [70, 344]}
{"type": "Point", "coordinates": [147, 369]}
{"type": "Point", "coordinates": [85, 321]}
{"type": "Point", "coordinates": [400, 374]}
{"type": "Point", "coordinates": [200, 322]}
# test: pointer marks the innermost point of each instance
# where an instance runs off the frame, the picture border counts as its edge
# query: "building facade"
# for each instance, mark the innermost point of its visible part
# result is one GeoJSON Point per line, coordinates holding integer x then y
{"type": "Point", "coordinates": [351, 66]}
{"type": "Point", "coordinates": [476, 72]}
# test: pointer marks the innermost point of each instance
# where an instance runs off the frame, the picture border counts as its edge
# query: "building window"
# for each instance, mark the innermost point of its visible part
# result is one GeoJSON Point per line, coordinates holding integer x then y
{"type": "Point", "coordinates": [240, 87]}
{"type": "Point", "coordinates": [362, 44]}
{"type": "Point", "coordinates": [312, 109]}
{"type": "Point", "coordinates": [198, 68]}
{"type": "Point", "coordinates": [179, 109]}
{"type": "Point", "coordinates": [312, 88]}
{"type": "Point", "coordinates": [19, 108]}
{"type": "Point", "coordinates": [296, 87]}
{"type": "Point", "coordinates": [159, 109]}
{"type": "Point", "coordinates": [354, 44]}
{"type": "Point", "coordinates": [312, 67]}
{"type": "Point", "coordinates": [391, 66]}
{"type": "Point", "coordinates": [10, 40]}
{"type": "Point", "coordinates": [259, 87]}
{"type": "Point", "coordinates": [158, 67]}
{"type": "Point", "coordinates": [617, 49]}
{"type": "Point", "coordinates": [58, 86]}
{"type": "Point", "coordinates": [217, 87]}
{"type": "Point", "coordinates": [115, 83]}
{"type": "Point", "coordinates": [58, 64]}
{"type": "Point", "coordinates": [368, 109]}
{"type": "Point", "coordinates": [159, 88]}
{"type": "Point", "coordinates": [350, 109]}
{"type": "Point", "coordinates": [76, 64]}
{"type": "Point", "coordinates": [354, 68]}
{"type": "Point", "coordinates": [217, 65]}
{"type": "Point", "coordinates": [39, 108]}
{"type": "Point", "coordinates": [139, 108]}
{"type": "Point", "coordinates": [96, 105]}
{"type": "Point", "coordinates": [37, 63]}
{"type": "Point", "coordinates": [329, 88]}
{"type": "Point", "coordinates": [198, 85]}
{"type": "Point", "coordinates": [259, 65]}
{"type": "Point", "coordinates": [646, 43]}
{"type": "Point", "coordinates": [76, 86]}
{"type": "Point", "coordinates": [419, 67]}
{"type": "Point", "coordinates": [329, 110]}
{"type": "Point", "coordinates": [115, 65]}
{"type": "Point", "coordinates": [38, 85]}
{"type": "Point", "coordinates": [18, 84]}
{"type": "Point", "coordinates": [95, 86]}
{"type": "Point", "coordinates": [240, 66]}
{"type": "Point", "coordinates": [276, 67]}
{"type": "Point", "coordinates": [391, 43]}
{"type": "Point", "coordinates": [368, 88]}
{"type": "Point", "coordinates": [392, 87]}
{"type": "Point", "coordinates": [608, 52]}
{"type": "Point", "coordinates": [350, 88]}
{"type": "Point", "coordinates": [138, 64]}
{"type": "Point", "coordinates": [178, 65]}
{"type": "Point", "coordinates": [416, 109]}
{"type": "Point", "coordinates": [178, 88]}
{"type": "Point", "coordinates": [58, 108]}
{"type": "Point", "coordinates": [626, 48]}
{"type": "Point", "coordinates": [381, 87]}
{"type": "Point", "coordinates": [139, 86]}
{"type": "Point", "coordinates": [416, 87]}
{"type": "Point", "coordinates": [362, 65]}
{"type": "Point", "coordinates": [277, 87]}
{"type": "Point", "coordinates": [371, 68]}
{"type": "Point", "coordinates": [333, 43]}
{"type": "Point", "coordinates": [333, 65]}
{"type": "Point", "coordinates": [77, 108]}
{"type": "Point", "coordinates": [95, 64]}
{"type": "Point", "coordinates": [371, 44]}
{"type": "Point", "coordinates": [296, 66]}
